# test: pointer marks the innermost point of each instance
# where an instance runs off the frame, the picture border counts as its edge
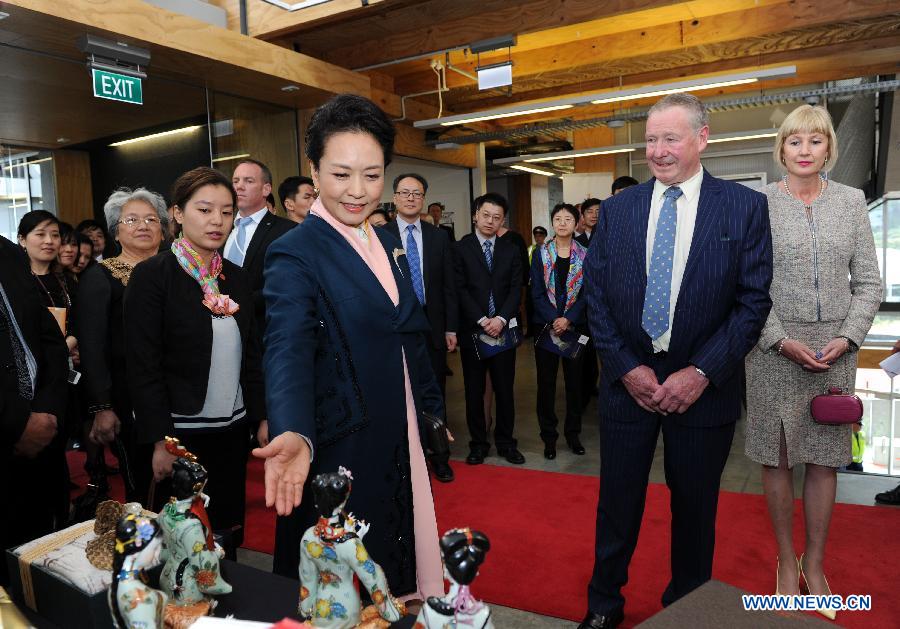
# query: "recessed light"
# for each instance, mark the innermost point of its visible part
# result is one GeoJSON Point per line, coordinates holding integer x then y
{"type": "Point", "coordinates": [62, 139]}
{"type": "Point", "coordinates": [3, 15]}
{"type": "Point", "coordinates": [615, 124]}
{"type": "Point", "coordinates": [290, 88]}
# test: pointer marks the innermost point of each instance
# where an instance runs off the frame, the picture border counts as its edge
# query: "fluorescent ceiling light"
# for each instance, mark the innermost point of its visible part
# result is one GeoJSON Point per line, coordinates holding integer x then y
{"type": "Point", "coordinates": [581, 153]}
{"type": "Point", "coordinates": [37, 161]}
{"type": "Point", "coordinates": [536, 171]}
{"type": "Point", "coordinates": [156, 135]}
{"type": "Point", "coordinates": [493, 116]}
{"type": "Point", "coordinates": [497, 75]}
{"type": "Point", "coordinates": [642, 93]}
{"type": "Point", "coordinates": [748, 135]}
{"type": "Point", "coordinates": [626, 148]}
{"type": "Point", "coordinates": [609, 97]}
{"type": "Point", "coordinates": [230, 157]}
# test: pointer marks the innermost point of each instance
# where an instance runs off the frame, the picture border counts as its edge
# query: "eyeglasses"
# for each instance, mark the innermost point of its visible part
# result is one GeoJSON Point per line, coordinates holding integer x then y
{"type": "Point", "coordinates": [414, 194]}
{"type": "Point", "coordinates": [132, 221]}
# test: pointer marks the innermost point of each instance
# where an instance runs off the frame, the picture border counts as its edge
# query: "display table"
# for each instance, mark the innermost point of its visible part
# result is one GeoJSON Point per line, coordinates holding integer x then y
{"type": "Point", "coordinates": [257, 595]}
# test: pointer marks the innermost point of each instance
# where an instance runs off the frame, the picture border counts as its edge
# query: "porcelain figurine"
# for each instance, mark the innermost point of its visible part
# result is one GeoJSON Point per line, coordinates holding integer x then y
{"type": "Point", "coordinates": [133, 603]}
{"type": "Point", "coordinates": [331, 553]}
{"type": "Point", "coordinates": [463, 551]}
{"type": "Point", "coordinates": [191, 573]}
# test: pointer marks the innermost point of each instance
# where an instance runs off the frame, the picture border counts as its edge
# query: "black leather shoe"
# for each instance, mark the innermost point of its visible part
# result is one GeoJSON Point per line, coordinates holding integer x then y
{"type": "Point", "coordinates": [891, 497]}
{"type": "Point", "coordinates": [549, 452]}
{"type": "Point", "coordinates": [476, 457]}
{"type": "Point", "coordinates": [512, 455]}
{"type": "Point", "coordinates": [575, 446]}
{"type": "Point", "coordinates": [442, 471]}
{"type": "Point", "coordinates": [596, 621]}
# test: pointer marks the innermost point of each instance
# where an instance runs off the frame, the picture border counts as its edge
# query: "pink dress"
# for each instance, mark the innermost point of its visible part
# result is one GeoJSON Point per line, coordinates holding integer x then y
{"type": "Point", "coordinates": [429, 569]}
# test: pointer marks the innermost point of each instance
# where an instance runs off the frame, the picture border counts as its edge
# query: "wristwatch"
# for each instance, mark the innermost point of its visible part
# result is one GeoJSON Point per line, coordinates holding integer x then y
{"type": "Point", "coordinates": [701, 372]}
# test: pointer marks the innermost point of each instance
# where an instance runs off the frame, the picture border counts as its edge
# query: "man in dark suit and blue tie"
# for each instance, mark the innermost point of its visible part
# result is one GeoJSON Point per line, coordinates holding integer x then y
{"type": "Point", "coordinates": [488, 286]}
{"type": "Point", "coordinates": [430, 259]}
{"type": "Point", "coordinates": [677, 281]}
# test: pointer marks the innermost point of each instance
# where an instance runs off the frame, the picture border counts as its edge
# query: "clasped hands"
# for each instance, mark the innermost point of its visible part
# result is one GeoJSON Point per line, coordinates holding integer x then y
{"type": "Point", "coordinates": [493, 326]}
{"type": "Point", "coordinates": [799, 353]}
{"type": "Point", "coordinates": [675, 395]}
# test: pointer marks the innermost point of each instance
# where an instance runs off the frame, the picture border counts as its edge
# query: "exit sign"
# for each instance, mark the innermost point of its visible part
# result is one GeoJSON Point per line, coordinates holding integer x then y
{"type": "Point", "coordinates": [120, 87]}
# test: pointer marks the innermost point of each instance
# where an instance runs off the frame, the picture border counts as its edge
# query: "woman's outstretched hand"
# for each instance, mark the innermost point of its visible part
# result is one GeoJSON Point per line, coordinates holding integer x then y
{"type": "Point", "coordinates": [287, 466]}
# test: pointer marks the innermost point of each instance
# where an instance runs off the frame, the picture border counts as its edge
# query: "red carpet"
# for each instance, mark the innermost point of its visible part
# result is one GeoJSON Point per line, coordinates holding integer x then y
{"type": "Point", "coordinates": [542, 555]}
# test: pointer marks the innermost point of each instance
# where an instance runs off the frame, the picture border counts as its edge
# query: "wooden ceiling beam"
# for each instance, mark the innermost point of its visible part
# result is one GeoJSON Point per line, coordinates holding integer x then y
{"type": "Point", "coordinates": [833, 63]}
{"type": "Point", "coordinates": [440, 24]}
{"type": "Point", "coordinates": [704, 60]}
{"type": "Point", "coordinates": [734, 26]}
{"type": "Point", "coordinates": [180, 45]}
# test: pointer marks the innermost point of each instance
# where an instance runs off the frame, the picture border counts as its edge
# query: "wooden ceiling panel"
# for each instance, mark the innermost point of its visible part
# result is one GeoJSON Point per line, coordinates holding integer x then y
{"type": "Point", "coordinates": [739, 27]}
{"type": "Point", "coordinates": [440, 24]}
{"type": "Point", "coordinates": [780, 48]}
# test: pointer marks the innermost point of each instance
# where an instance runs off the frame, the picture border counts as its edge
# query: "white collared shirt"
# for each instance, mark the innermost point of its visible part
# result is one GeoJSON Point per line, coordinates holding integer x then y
{"type": "Point", "coordinates": [249, 230]}
{"type": "Point", "coordinates": [482, 240]}
{"type": "Point", "coordinates": [417, 237]}
{"type": "Point", "coordinates": [493, 241]}
{"type": "Point", "coordinates": [686, 209]}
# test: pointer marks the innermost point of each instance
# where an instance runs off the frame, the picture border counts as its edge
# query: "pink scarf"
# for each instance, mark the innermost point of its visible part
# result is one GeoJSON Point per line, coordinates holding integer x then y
{"type": "Point", "coordinates": [365, 242]}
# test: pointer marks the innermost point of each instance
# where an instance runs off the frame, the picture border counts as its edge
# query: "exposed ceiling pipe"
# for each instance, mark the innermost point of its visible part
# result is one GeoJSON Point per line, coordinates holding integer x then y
{"type": "Point", "coordinates": [713, 106]}
{"type": "Point", "coordinates": [442, 87]}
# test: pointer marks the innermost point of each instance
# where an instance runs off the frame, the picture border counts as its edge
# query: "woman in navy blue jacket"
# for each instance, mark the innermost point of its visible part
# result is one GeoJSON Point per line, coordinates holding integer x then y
{"type": "Point", "coordinates": [559, 307]}
{"type": "Point", "coordinates": [348, 374]}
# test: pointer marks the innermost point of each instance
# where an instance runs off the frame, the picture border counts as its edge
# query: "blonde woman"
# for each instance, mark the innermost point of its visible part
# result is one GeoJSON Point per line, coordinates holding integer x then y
{"type": "Point", "coordinates": [825, 291]}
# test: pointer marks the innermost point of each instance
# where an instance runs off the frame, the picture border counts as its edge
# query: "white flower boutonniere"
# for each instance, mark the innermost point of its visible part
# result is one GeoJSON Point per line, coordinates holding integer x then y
{"type": "Point", "coordinates": [397, 254]}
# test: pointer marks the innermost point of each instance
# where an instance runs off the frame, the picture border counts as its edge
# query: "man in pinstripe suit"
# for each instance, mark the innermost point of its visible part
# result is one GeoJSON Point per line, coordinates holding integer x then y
{"type": "Point", "coordinates": [677, 280]}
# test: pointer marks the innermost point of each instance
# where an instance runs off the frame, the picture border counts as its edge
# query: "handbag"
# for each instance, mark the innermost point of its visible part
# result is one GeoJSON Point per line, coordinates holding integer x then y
{"type": "Point", "coordinates": [568, 345]}
{"type": "Point", "coordinates": [434, 435]}
{"type": "Point", "coordinates": [834, 408]}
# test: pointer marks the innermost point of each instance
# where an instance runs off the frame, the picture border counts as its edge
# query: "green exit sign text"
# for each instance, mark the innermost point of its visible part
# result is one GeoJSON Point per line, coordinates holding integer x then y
{"type": "Point", "coordinates": [120, 87]}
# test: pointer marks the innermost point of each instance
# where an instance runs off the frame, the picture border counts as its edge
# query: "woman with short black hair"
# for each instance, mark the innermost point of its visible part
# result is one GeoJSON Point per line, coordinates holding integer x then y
{"type": "Point", "coordinates": [559, 308]}
{"type": "Point", "coordinates": [348, 374]}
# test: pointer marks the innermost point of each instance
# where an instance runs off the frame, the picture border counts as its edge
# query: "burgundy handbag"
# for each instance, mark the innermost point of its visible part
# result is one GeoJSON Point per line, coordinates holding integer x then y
{"type": "Point", "coordinates": [835, 408]}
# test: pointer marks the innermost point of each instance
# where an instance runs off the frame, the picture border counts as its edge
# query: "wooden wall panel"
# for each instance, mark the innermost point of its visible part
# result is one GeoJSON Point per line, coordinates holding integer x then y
{"type": "Point", "coordinates": [520, 215]}
{"type": "Point", "coordinates": [590, 138]}
{"type": "Point", "coordinates": [74, 196]}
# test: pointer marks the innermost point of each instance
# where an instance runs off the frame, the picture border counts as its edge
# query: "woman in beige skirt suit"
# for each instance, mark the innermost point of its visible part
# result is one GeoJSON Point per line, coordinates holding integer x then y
{"type": "Point", "coordinates": [826, 289]}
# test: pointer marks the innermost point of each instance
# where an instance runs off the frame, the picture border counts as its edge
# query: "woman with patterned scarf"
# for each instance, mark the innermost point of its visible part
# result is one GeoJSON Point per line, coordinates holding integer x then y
{"type": "Point", "coordinates": [559, 311]}
{"type": "Point", "coordinates": [192, 354]}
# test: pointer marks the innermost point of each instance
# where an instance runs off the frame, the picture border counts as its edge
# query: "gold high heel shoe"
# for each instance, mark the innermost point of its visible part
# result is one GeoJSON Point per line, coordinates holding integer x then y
{"type": "Point", "coordinates": [830, 614]}
{"type": "Point", "coordinates": [778, 574]}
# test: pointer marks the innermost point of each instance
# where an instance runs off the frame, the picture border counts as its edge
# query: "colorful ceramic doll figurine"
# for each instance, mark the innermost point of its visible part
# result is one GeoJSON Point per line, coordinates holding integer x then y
{"type": "Point", "coordinates": [134, 604]}
{"type": "Point", "coordinates": [191, 572]}
{"type": "Point", "coordinates": [463, 551]}
{"type": "Point", "coordinates": [331, 552]}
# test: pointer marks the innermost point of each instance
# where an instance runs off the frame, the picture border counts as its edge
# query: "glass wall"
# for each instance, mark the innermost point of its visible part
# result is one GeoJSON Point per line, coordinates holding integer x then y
{"type": "Point", "coordinates": [880, 394]}
{"type": "Point", "coordinates": [26, 183]}
{"type": "Point", "coordinates": [244, 128]}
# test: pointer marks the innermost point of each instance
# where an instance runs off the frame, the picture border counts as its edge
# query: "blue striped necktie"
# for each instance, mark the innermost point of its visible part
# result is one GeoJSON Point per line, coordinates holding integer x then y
{"type": "Point", "coordinates": [655, 318]}
{"type": "Point", "coordinates": [415, 269]}
{"type": "Point", "coordinates": [489, 258]}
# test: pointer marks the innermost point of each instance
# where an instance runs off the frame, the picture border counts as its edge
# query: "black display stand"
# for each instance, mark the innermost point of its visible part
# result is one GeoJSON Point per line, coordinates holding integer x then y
{"type": "Point", "coordinates": [257, 595]}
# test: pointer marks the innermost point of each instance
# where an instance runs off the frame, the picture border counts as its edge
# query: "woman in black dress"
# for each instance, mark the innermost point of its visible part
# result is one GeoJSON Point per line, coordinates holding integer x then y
{"type": "Point", "coordinates": [137, 219]}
